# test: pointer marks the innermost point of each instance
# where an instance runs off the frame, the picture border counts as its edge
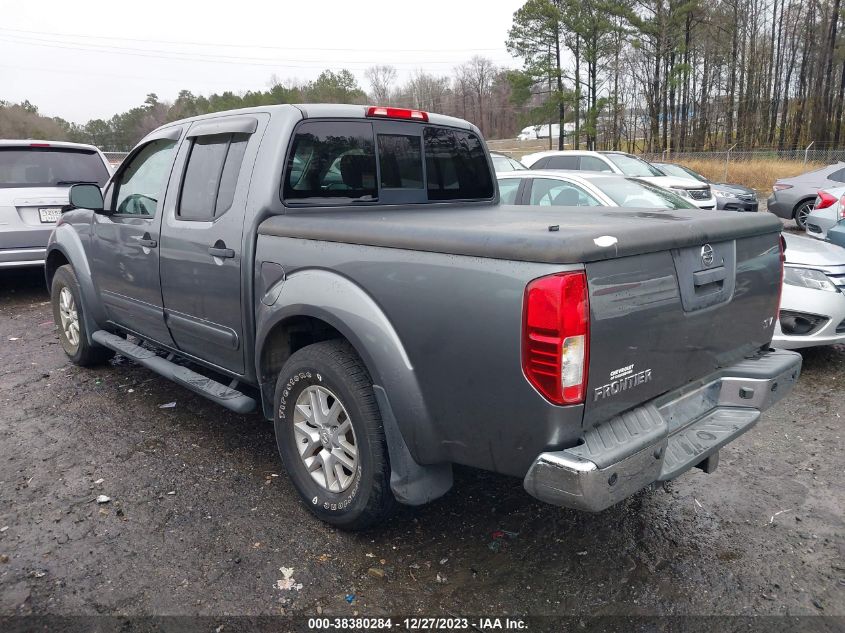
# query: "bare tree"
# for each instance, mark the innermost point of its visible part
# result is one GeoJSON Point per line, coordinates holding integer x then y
{"type": "Point", "coordinates": [381, 78]}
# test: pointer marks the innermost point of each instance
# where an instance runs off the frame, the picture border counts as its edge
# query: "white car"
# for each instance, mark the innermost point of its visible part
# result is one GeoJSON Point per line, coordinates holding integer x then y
{"type": "Point", "coordinates": [587, 189]}
{"type": "Point", "coordinates": [827, 212]}
{"type": "Point", "coordinates": [812, 307]}
{"type": "Point", "coordinates": [35, 178]}
{"type": "Point", "coordinates": [625, 165]}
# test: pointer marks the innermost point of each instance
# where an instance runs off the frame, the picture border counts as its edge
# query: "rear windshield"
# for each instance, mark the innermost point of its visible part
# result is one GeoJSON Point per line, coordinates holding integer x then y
{"type": "Point", "coordinates": [336, 161]}
{"type": "Point", "coordinates": [631, 166]}
{"type": "Point", "coordinates": [629, 192]}
{"type": "Point", "coordinates": [50, 167]}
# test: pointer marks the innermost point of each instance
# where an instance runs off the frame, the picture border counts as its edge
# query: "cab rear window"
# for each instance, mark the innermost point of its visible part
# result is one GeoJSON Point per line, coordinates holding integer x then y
{"type": "Point", "coordinates": [335, 161]}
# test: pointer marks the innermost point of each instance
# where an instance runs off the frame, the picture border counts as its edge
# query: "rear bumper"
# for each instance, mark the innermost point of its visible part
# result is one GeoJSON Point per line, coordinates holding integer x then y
{"type": "Point", "coordinates": [781, 208]}
{"type": "Point", "coordinates": [663, 438]}
{"type": "Point", "coordinates": [22, 257]}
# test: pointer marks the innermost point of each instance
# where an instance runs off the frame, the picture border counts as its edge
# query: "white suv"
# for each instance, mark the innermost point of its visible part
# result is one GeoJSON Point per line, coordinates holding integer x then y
{"type": "Point", "coordinates": [626, 165]}
{"type": "Point", "coordinates": [35, 177]}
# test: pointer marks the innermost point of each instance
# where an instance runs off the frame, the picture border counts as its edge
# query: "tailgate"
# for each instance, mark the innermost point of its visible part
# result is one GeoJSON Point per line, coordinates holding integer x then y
{"type": "Point", "coordinates": [661, 320]}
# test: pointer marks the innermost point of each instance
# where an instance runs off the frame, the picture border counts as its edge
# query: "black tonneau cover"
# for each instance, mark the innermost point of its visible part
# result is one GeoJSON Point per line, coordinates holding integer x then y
{"type": "Point", "coordinates": [521, 233]}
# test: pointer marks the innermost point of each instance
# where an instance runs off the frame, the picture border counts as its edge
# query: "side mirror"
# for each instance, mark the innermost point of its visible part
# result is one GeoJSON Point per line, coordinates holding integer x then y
{"type": "Point", "coordinates": [86, 196]}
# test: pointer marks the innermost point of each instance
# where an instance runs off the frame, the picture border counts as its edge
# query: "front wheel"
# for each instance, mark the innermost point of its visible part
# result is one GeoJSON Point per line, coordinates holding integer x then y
{"type": "Point", "coordinates": [66, 298]}
{"type": "Point", "coordinates": [802, 212]}
{"type": "Point", "coordinates": [330, 436]}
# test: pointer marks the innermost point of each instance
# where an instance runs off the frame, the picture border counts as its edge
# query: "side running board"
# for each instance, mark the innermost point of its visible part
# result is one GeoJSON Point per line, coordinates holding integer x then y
{"type": "Point", "coordinates": [211, 389]}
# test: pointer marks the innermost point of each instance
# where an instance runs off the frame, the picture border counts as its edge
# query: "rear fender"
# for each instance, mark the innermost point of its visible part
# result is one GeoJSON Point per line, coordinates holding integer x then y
{"type": "Point", "coordinates": [343, 305]}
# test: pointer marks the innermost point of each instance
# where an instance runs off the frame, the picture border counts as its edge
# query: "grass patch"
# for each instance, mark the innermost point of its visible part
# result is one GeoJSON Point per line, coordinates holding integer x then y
{"type": "Point", "coordinates": [758, 174]}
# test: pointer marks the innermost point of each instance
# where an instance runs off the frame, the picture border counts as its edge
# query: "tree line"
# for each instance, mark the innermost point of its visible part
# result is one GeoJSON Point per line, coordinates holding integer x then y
{"type": "Point", "coordinates": [649, 75]}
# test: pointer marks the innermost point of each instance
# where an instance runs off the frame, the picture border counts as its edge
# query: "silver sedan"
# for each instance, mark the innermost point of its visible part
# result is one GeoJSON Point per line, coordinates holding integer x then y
{"type": "Point", "coordinates": [812, 307]}
{"type": "Point", "coordinates": [585, 189]}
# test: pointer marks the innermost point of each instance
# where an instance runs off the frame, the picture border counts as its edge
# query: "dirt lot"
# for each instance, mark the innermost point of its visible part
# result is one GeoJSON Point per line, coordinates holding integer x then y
{"type": "Point", "coordinates": [201, 518]}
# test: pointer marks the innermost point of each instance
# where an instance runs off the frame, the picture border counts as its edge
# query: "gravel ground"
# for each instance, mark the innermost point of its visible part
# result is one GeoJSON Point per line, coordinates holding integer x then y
{"type": "Point", "coordinates": [202, 519]}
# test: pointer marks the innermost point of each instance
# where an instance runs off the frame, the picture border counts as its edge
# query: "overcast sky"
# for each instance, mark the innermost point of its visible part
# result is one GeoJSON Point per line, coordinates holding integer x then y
{"type": "Point", "coordinates": [93, 59]}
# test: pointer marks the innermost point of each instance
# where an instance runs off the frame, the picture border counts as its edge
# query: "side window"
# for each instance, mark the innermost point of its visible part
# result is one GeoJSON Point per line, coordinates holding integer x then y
{"type": "Point", "coordinates": [508, 187]}
{"type": "Point", "coordinates": [562, 162]}
{"type": "Point", "coordinates": [332, 159]}
{"type": "Point", "coordinates": [837, 176]}
{"type": "Point", "coordinates": [141, 184]}
{"type": "Point", "coordinates": [456, 165]}
{"type": "Point", "coordinates": [211, 176]}
{"type": "Point", "coordinates": [591, 163]}
{"type": "Point", "coordinates": [400, 161]}
{"type": "Point", "coordinates": [557, 193]}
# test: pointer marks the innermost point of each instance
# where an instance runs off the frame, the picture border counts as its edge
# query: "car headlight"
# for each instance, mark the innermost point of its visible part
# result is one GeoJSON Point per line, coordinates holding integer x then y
{"type": "Point", "coordinates": [680, 191]}
{"type": "Point", "coordinates": [807, 278]}
{"type": "Point", "coordinates": [723, 194]}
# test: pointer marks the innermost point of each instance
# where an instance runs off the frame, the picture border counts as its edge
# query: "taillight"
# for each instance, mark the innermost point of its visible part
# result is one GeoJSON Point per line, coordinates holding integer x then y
{"type": "Point", "coordinates": [780, 187]}
{"type": "Point", "coordinates": [556, 336]}
{"type": "Point", "coordinates": [397, 113]}
{"type": "Point", "coordinates": [824, 200]}
{"type": "Point", "coordinates": [842, 208]}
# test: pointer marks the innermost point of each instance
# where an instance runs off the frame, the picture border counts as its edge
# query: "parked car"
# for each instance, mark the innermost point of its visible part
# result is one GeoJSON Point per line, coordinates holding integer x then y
{"type": "Point", "coordinates": [503, 163]}
{"type": "Point", "coordinates": [585, 189]}
{"type": "Point", "coordinates": [35, 177]}
{"type": "Point", "coordinates": [625, 165]}
{"type": "Point", "coordinates": [286, 258]}
{"type": "Point", "coordinates": [793, 198]}
{"type": "Point", "coordinates": [827, 212]}
{"type": "Point", "coordinates": [729, 197]}
{"type": "Point", "coordinates": [812, 308]}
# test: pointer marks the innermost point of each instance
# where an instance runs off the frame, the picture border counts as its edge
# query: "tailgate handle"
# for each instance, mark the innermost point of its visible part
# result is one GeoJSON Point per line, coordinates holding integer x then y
{"type": "Point", "coordinates": [707, 277]}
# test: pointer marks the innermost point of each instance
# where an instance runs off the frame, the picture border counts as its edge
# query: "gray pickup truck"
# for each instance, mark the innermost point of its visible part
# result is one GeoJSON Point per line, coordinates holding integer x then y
{"type": "Point", "coordinates": [349, 272]}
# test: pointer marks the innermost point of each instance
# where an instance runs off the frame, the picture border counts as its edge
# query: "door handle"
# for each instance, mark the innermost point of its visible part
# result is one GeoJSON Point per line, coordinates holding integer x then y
{"type": "Point", "coordinates": [223, 252]}
{"type": "Point", "coordinates": [146, 241]}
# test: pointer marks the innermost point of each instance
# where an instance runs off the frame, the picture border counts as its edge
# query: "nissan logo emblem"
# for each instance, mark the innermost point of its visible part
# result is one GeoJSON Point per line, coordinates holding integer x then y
{"type": "Point", "coordinates": [707, 255]}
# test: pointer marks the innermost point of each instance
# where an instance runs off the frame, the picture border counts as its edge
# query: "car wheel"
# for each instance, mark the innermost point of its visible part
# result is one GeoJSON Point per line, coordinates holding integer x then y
{"type": "Point", "coordinates": [66, 299]}
{"type": "Point", "coordinates": [330, 436]}
{"type": "Point", "coordinates": [801, 212]}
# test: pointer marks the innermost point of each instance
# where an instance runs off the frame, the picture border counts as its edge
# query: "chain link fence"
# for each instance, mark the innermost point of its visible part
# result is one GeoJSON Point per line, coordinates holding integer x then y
{"type": "Point", "coordinates": [806, 156]}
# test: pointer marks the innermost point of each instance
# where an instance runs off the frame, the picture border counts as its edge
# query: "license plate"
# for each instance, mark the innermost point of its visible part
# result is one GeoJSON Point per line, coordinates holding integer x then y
{"type": "Point", "coordinates": [50, 215]}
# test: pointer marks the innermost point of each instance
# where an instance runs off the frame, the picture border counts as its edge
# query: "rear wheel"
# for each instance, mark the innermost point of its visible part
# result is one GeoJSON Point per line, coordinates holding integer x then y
{"type": "Point", "coordinates": [801, 212]}
{"type": "Point", "coordinates": [68, 316]}
{"type": "Point", "coordinates": [330, 436]}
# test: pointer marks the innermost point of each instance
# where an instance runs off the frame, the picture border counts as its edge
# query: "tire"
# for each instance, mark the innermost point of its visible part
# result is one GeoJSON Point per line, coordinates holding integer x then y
{"type": "Point", "coordinates": [68, 316]}
{"type": "Point", "coordinates": [801, 213]}
{"type": "Point", "coordinates": [331, 376]}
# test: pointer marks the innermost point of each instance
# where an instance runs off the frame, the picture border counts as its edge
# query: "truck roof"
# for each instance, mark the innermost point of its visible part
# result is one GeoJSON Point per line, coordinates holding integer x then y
{"type": "Point", "coordinates": [323, 111]}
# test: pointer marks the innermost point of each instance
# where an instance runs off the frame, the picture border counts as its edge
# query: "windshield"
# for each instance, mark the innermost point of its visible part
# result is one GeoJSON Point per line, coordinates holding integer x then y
{"type": "Point", "coordinates": [50, 167]}
{"type": "Point", "coordinates": [679, 172]}
{"type": "Point", "coordinates": [629, 192]}
{"type": "Point", "coordinates": [631, 166]}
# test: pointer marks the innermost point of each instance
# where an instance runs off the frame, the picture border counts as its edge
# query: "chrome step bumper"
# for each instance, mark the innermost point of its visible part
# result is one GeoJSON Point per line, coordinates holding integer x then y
{"type": "Point", "coordinates": [663, 438]}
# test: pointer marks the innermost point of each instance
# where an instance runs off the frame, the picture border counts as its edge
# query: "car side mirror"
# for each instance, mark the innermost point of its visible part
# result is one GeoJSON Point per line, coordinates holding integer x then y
{"type": "Point", "coordinates": [86, 196]}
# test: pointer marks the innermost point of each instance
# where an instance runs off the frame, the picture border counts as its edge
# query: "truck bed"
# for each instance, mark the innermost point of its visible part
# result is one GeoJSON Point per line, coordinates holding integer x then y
{"type": "Point", "coordinates": [522, 233]}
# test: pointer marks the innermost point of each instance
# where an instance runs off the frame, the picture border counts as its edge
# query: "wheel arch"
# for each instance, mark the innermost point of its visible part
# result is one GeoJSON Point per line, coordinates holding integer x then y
{"type": "Point", "coordinates": [801, 202]}
{"type": "Point", "coordinates": [316, 305]}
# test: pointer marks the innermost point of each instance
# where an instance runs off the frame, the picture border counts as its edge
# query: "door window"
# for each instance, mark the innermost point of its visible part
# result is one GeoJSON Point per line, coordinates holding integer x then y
{"type": "Point", "coordinates": [508, 188]}
{"type": "Point", "coordinates": [591, 163]}
{"type": "Point", "coordinates": [561, 162]}
{"type": "Point", "coordinates": [141, 185]}
{"type": "Point", "coordinates": [547, 192]}
{"type": "Point", "coordinates": [211, 176]}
